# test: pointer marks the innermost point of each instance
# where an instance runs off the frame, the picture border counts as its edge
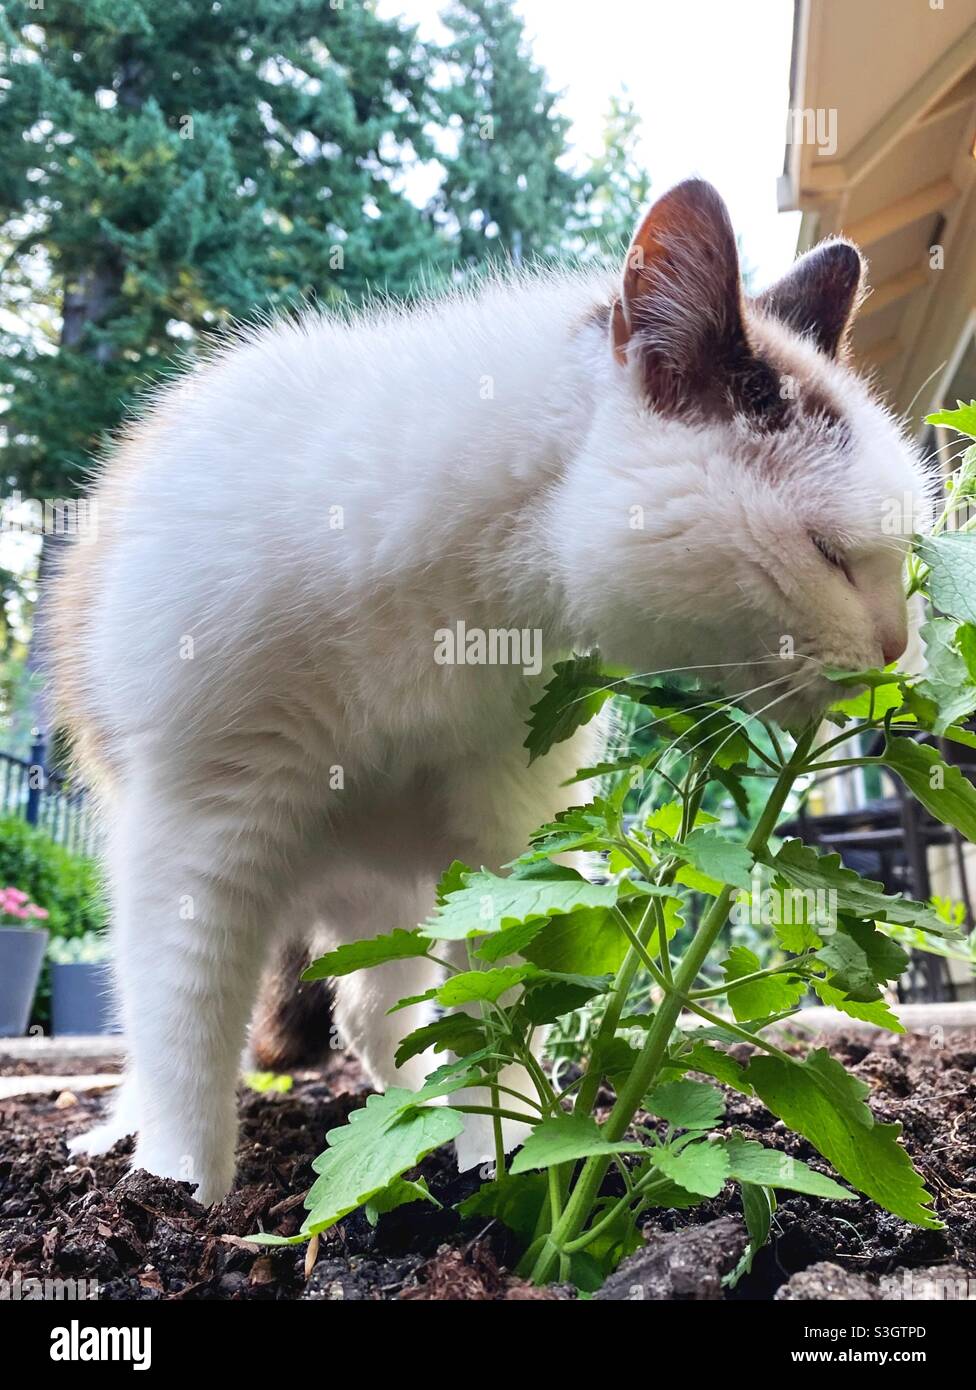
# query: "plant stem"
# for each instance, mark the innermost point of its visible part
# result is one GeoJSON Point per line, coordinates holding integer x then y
{"type": "Point", "coordinates": [652, 1054]}
{"type": "Point", "coordinates": [786, 968]}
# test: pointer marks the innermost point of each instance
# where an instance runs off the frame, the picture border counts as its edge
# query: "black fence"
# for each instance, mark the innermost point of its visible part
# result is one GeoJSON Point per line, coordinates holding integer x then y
{"type": "Point", "coordinates": [46, 799]}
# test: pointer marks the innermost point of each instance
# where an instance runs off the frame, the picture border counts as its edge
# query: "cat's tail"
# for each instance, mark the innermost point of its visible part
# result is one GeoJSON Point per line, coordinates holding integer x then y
{"type": "Point", "coordinates": [292, 1023]}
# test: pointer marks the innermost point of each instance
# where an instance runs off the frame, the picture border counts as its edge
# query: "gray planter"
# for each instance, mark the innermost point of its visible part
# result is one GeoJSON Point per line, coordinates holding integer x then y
{"type": "Point", "coordinates": [81, 999]}
{"type": "Point", "coordinates": [21, 956]}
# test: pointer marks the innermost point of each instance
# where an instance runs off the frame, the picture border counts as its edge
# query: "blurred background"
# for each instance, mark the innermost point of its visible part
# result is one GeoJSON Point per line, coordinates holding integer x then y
{"type": "Point", "coordinates": [168, 167]}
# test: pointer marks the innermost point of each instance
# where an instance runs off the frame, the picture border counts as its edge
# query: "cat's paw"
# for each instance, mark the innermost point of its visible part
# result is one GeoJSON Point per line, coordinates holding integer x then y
{"type": "Point", "coordinates": [213, 1178]}
{"type": "Point", "coordinates": [100, 1139]}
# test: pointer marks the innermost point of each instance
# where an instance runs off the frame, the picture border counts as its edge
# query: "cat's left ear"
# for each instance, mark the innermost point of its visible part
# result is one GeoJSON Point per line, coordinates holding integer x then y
{"type": "Point", "coordinates": [679, 313]}
{"type": "Point", "coordinates": [820, 294]}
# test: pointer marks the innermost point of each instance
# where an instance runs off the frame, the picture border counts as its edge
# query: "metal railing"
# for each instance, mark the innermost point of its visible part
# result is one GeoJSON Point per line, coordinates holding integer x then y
{"type": "Point", "coordinates": [46, 799]}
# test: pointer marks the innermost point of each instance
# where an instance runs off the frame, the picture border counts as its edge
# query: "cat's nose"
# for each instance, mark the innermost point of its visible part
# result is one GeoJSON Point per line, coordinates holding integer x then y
{"type": "Point", "coordinates": [892, 645]}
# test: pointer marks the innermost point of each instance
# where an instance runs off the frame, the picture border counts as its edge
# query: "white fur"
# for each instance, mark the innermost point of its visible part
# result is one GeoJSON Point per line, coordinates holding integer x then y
{"type": "Point", "coordinates": [487, 454]}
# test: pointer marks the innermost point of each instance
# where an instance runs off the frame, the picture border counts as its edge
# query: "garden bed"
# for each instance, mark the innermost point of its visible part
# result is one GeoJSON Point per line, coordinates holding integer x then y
{"type": "Point", "coordinates": [143, 1237]}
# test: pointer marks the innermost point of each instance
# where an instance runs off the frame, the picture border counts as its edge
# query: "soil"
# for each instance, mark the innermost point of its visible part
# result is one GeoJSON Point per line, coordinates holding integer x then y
{"type": "Point", "coordinates": [145, 1237]}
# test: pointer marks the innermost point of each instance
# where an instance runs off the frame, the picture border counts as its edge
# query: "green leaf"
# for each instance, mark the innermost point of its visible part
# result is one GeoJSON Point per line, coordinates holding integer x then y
{"type": "Point", "coordinates": [850, 969]}
{"type": "Point", "coordinates": [565, 1138]}
{"type": "Point", "coordinates": [878, 1012]}
{"type": "Point", "coordinates": [577, 692]}
{"type": "Point", "coordinates": [452, 879]}
{"type": "Point", "coordinates": [482, 986]}
{"type": "Point", "coordinates": [713, 1062]}
{"type": "Point", "coordinates": [887, 960]}
{"type": "Point", "coordinates": [362, 955]}
{"type": "Point", "coordinates": [454, 1032]}
{"type": "Point", "coordinates": [759, 998]}
{"type": "Point", "coordinates": [488, 903]}
{"type": "Point", "coordinates": [578, 828]}
{"type": "Point", "coordinates": [586, 942]}
{"type": "Point", "coordinates": [399, 1194]}
{"type": "Point", "coordinates": [966, 642]}
{"type": "Point", "coordinates": [962, 419]}
{"type": "Point", "coordinates": [758, 1205]}
{"type": "Point", "coordinates": [820, 1100]}
{"type": "Point", "coordinates": [555, 995]}
{"type": "Point", "coordinates": [687, 1104]}
{"type": "Point", "coordinates": [517, 1203]}
{"type": "Point", "coordinates": [840, 890]}
{"type": "Point", "coordinates": [947, 682]}
{"type": "Point", "coordinates": [952, 578]}
{"type": "Point", "coordinates": [377, 1145]}
{"type": "Point", "coordinates": [718, 858]}
{"type": "Point", "coordinates": [700, 1167]}
{"type": "Point", "coordinates": [939, 786]}
{"type": "Point", "coordinates": [752, 1163]}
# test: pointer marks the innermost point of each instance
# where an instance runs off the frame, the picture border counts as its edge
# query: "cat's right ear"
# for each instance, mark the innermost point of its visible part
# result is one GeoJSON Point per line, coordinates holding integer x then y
{"type": "Point", "coordinates": [679, 312]}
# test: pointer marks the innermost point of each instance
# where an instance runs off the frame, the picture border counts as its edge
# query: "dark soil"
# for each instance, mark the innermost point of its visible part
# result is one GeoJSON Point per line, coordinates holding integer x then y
{"type": "Point", "coordinates": [143, 1237]}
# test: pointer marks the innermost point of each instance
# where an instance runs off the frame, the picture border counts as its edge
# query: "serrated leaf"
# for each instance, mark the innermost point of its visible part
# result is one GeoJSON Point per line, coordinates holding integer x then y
{"type": "Point", "coordinates": [951, 583]}
{"type": "Point", "coordinates": [711, 854]}
{"type": "Point", "coordinates": [947, 681]}
{"type": "Point", "coordinates": [452, 879]}
{"type": "Point", "coordinates": [701, 1167]}
{"type": "Point", "coordinates": [555, 995]}
{"type": "Point", "coordinates": [962, 419]}
{"type": "Point", "coordinates": [879, 1012]}
{"type": "Point", "coordinates": [751, 1162]}
{"type": "Point", "coordinates": [850, 969]}
{"type": "Point", "coordinates": [585, 942]}
{"type": "Point", "coordinates": [687, 1104]}
{"type": "Point", "coordinates": [516, 1203]}
{"type": "Point", "coordinates": [759, 998]}
{"type": "Point", "coordinates": [488, 903]}
{"type": "Point", "coordinates": [377, 1145]}
{"type": "Point", "coordinates": [576, 692]}
{"type": "Point", "coordinates": [400, 1193]}
{"type": "Point", "coordinates": [565, 1138]}
{"type": "Point", "coordinates": [713, 1062]}
{"type": "Point", "coordinates": [850, 894]}
{"type": "Point", "coordinates": [454, 1032]}
{"type": "Point", "coordinates": [939, 786]}
{"type": "Point", "coordinates": [481, 986]}
{"type": "Point", "coordinates": [363, 955]}
{"type": "Point", "coordinates": [820, 1100]}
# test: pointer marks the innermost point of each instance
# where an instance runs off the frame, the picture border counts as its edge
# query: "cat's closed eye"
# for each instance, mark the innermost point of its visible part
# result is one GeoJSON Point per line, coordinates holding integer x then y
{"type": "Point", "coordinates": [833, 558]}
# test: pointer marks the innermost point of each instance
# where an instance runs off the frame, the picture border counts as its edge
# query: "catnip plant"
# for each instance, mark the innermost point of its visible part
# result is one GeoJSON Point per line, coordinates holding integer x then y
{"type": "Point", "coordinates": [545, 941]}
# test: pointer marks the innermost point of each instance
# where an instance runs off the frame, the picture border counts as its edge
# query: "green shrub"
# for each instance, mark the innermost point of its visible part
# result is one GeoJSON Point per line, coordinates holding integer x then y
{"type": "Point", "coordinates": [67, 885]}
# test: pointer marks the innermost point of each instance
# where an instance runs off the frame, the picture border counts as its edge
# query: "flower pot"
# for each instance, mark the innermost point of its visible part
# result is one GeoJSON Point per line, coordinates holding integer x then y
{"type": "Point", "coordinates": [21, 956]}
{"type": "Point", "coordinates": [81, 999]}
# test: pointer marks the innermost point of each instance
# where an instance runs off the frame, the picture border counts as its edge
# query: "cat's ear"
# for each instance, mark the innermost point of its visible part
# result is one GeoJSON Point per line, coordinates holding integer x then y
{"type": "Point", "coordinates": [820, 294]}
{"type": "Point", "coordinates": [679, 310]}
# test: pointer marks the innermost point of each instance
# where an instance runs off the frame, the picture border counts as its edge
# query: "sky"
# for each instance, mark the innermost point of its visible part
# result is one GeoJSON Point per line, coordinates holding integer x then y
{"type": "Point", "coordinates": [709, 78]}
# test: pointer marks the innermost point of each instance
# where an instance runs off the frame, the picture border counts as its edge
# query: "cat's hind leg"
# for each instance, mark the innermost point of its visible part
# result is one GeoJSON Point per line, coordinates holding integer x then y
{"type": "Point", "coordinates": [195, 891]}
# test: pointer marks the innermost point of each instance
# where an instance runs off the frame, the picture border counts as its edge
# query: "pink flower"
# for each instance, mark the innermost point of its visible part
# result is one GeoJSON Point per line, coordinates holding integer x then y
{"type": "Point", "coordinates": [15, 895]}
{"type": "Point", "coordinates": [34, 911]}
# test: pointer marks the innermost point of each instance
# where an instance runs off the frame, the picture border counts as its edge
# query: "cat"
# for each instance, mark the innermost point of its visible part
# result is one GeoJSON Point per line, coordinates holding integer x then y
{"type": "Point", "coordinates": [648, 461]}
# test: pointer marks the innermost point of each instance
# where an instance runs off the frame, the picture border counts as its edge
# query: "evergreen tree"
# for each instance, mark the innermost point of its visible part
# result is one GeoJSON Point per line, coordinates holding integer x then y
{"type": "Point", "coordinates": [618, 184]}
{"type": "Point", "coordinates": [506, 188]}
{"type": "Point", "coordinates": [171, 163]}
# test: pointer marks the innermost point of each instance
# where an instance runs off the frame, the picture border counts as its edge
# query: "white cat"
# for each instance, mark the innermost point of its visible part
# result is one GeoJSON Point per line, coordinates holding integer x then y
{"type": "Point", "coordinates": [655, 465]}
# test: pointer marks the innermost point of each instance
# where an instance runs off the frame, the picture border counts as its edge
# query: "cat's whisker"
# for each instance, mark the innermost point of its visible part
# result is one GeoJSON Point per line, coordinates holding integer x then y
{"type": "Point", "coordinates": [713, 709]}
{"type": "Point", "coordinates": [674, 670]}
